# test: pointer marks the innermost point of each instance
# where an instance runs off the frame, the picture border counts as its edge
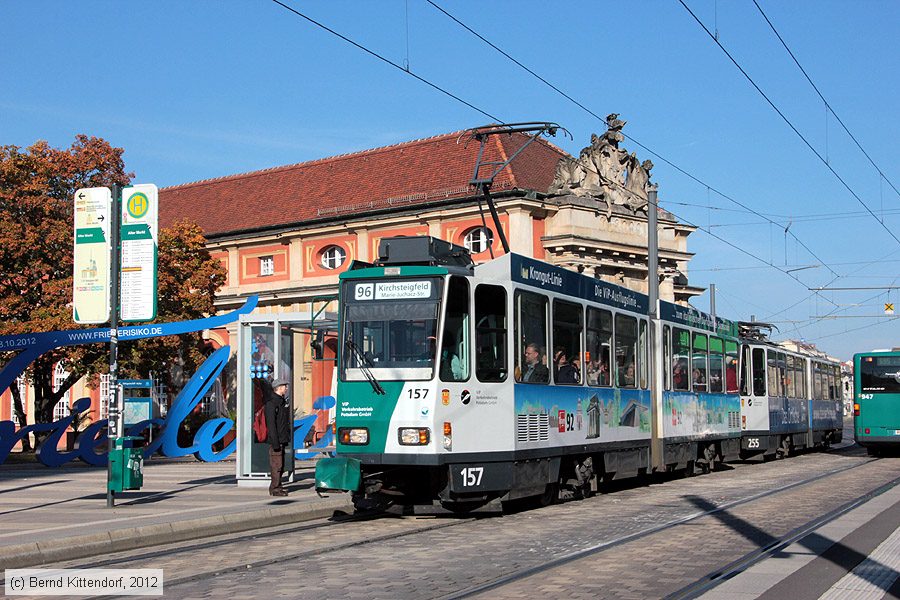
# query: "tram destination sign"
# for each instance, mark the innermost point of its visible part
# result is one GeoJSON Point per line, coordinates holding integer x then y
{"type": "Point", "coordinates": [563, 281]}
{"type": "Point", "coordinates": [140, 240]}
{"type": "Point", "coordinates": [91, 267]}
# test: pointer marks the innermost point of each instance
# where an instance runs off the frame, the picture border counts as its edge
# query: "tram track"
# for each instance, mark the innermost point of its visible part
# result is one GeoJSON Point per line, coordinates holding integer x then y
{"type": "Point", "coordinates": [718, 575]}
{"type": "Point", "coordinates": [143, 558]}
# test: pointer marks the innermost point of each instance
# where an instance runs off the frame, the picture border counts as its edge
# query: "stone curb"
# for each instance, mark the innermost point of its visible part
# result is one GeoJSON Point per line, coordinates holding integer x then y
{"type": "Point", "coordinates": [131, 538]}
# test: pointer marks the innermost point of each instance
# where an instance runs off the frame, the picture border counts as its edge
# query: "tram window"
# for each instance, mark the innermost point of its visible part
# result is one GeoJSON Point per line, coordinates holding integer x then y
{"type": "Point", "coordinates": [643, 363]}
{"type": "Point", "coordinates": [716, 365]}
{"type": "Point", "coordinates": [667, 357]}
{"type": "Point", "coordinates": [790, 387]}
{"type": "Point", "coordinates": [531, 338]}
{"type": "Point", "coordinates": [681, 365]}
{"type": "Point", "coordinates": [817, 382]}
{"type": "Point", "coordinates": [745, 370]}
{"type": "Point", "coordinates": [626, 350]}
{"type": "Point", "coordinates": [781, 374]}
{"type": "Point", "coordinates": [731, 367]}
{"type": "Point", "coordinates": [599, 341]}
{"type": "Point", "coordinates": [699, 371]}
{"type": "Point", "coordinates": [774, 377]}
{"type": "Point", "coordinates": [567, 325]}
{"type": "Point", "coordinates": [837, 382]}
{"type": "Point", "coordinates": [759, 372]}
{"type": "Point", "coordinates": [772, 372]}
{"type": "Point", "coordinates": [490, 333]}
{"type": "Point", "coordinates": [454, 358]}
{"type": "Point", "coordinates": [800, 365]}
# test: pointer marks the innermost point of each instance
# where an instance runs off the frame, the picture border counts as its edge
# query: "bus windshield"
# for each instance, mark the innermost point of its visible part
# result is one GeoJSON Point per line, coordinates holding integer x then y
{"type": "Point", "coordinates": [392, 327]}
{"type": "Point", "coordinates": [879, 374]}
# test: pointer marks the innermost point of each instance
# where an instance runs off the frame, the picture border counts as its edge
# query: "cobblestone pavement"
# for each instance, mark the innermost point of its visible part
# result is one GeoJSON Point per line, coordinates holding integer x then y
{"type": "Point", "coordinates": [438, 557]}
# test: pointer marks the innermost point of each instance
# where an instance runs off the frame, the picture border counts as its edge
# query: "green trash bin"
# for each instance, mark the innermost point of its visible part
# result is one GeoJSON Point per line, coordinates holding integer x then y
{"type": "Point", "coordinates": [126, 461]}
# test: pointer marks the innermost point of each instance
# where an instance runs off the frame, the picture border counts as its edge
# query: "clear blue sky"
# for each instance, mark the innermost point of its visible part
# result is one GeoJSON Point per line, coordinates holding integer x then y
{"type": "Point", "coordinates": [194, 90]}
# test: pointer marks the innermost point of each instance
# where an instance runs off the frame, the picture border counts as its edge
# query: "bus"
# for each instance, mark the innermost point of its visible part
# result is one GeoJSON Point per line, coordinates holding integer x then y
{"type": "Point", "coordinates": [876, 401]}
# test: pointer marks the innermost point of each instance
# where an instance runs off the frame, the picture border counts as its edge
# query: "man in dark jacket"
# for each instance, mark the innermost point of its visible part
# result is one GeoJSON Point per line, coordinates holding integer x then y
{"type": "Point", "coordinates": [278, 424]}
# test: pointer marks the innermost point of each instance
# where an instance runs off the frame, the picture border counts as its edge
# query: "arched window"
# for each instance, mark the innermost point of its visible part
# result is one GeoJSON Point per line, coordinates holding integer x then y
{"type": "Point", "coordinates": [61, 410]}
{"type": "Point", "coordinates": [333, 257]}
{"type": "Point", "coordinates": [478, 239]}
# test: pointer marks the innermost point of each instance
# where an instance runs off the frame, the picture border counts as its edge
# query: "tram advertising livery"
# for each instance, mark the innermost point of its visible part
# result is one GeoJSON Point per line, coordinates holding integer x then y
{"type": "Point", "coordinates": [467, 385]}
{"type": "Point", "coordinates": [876, 401]}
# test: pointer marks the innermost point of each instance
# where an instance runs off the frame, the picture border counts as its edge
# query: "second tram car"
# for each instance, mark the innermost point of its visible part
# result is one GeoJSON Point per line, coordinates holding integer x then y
{"type": "Point", "coordinates": [789, 400]}
{"type": "Point", "coordinates": [515, 378]}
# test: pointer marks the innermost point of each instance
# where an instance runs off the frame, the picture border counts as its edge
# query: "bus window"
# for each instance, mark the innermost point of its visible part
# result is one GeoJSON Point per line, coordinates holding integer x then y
{"type": "Point", "coordinates": [745, 370]}
{"type": "Point", "coordinates": [759, 372]}
{"type": "Point", "coordinates": [531, 338]}
{"type": "Point", "coordinates": [731, 367]}
{"type": "Point", "coordinates": [454, 357]}
{"type": "Point", "coordinates": [626, 350]}
{"type": "Point", "coordinates": [644, 362]}
{"type": "Point", "coordinates": [681, 361]}
{"type": "Point", "coordinates": [716, 364]}
{"type": "Point", "coordinates": [490, 333]}
{"type": "Point", "coordinates": [567, 325]}
{"type": "Point", "coordinates": [699, 371]}
{"type": "Point", "coordinates": [879, 374]}
{"type": "Point", "coordinates": [667, 357]}
{"type": "Point", "coordinates": [599, 342]}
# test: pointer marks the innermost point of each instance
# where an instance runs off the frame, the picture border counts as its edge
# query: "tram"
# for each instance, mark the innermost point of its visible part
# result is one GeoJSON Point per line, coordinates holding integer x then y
{"type": "Point", "coordinates": [466, 385]}
{"type": "Point", "coordinates": [876, 402]}
{"type": "Point", "coordinates": [789, 400]}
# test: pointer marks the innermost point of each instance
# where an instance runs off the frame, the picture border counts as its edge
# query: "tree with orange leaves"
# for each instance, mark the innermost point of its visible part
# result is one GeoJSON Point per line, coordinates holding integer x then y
{"type": "Point", "coordinates": [37, 187]}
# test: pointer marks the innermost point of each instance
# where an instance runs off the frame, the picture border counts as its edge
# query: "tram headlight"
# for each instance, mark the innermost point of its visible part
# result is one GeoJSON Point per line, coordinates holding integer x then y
{"type": "Point", "coordinates": [414, 436]}
{"type": "Point", "coordinates": [353, 436]}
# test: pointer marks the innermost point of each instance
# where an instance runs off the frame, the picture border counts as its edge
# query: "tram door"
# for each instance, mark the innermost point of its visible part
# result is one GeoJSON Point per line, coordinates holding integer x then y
{"type": "Point", "coordinates": [754, 393]}
{"type": "Point", "coordinates": [476, 401]}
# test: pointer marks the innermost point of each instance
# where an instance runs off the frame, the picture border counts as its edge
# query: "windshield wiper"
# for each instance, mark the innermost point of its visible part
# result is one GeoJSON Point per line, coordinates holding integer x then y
{"type": "Point", "coordinates": [364, 364]}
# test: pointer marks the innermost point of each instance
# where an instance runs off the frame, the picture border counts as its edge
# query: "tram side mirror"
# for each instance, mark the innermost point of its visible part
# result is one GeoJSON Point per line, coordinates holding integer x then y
{"type": "Point", "coordinates": [318, 345]}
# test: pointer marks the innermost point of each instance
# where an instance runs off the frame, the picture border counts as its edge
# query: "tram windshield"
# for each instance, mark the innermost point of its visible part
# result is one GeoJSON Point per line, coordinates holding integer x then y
{"type": "Point", "coordinates": [880, 374]}
{"type": "Point", "coordinates": [391, 327]}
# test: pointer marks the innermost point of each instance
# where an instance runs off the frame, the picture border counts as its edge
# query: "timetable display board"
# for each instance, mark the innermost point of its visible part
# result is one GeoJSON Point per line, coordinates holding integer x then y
{"type": "Point", "coordinates": [140, 242]}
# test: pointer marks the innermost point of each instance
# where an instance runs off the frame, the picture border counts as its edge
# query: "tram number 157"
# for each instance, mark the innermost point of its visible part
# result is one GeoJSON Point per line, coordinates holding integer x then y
{"type": "Point", "coordinates": [471, 476]}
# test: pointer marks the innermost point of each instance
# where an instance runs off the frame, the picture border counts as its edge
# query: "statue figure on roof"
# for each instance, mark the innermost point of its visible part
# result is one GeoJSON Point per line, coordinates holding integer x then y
{"type": "Point", "coordinates": [605, 171]}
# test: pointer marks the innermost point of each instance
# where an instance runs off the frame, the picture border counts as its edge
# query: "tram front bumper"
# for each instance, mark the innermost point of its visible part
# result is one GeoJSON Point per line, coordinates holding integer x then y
{"type": "Point", "coordinates": [339, 474]}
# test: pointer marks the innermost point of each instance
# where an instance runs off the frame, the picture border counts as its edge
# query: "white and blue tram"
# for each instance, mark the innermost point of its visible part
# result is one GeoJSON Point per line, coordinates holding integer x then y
{"type": "Point", "coordinates": [465, 384]}
{"type": "Point", "coordinates": [789, 400]}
